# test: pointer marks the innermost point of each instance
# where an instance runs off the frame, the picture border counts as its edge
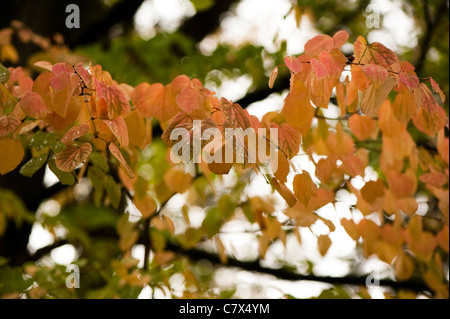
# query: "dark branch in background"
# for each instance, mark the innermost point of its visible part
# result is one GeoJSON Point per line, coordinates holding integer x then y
{"type": "Point", "coordinates": [430, 26]}
{"type": "Point", "coordinates": [205, 22]}
{"type": "Point", "coordinates": [122, 12]}
{"type": "Point", "coordinates": [285, 274]}
{"type": "Point", "coordinates": [196, 254]}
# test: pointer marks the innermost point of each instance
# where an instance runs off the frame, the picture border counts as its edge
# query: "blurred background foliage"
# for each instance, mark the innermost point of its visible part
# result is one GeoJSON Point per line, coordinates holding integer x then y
{"type": "Point", "coordinates": [109, 36]}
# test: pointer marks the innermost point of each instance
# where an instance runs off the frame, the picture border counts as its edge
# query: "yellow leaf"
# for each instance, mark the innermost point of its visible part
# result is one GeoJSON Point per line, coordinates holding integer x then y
{"type": "Point", "coordinates": [11, 154]}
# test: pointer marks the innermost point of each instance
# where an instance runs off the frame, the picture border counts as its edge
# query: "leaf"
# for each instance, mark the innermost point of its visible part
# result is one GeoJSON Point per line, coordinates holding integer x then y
{"type": "Point", "coordinates": [431, 116]}
{"type": "Point", "coordinates": [220, 250]}
{"type": "Point", "coordinates": [375, 95]}
{"type": "Point", "coordinates": [324, 42]}
{"type": "Point", "coordinates": [410, 80]}
{"type": "Point", "coordinates": [4, 74]}
{"type": "Point", "coordinates": [437, 89]}
{"type": "Point", "coordinates": [404, 107]}
{"type": "Point", "coordinates": [212, 222]}
{"type": "Point", "coordinates": [202, 5]}
{"type": "Point", "coordinates": [64, 85]}
{"type": "Point", "coordinates": [374, 53]}
{"type": "Point", "coordinates": [119, 128]}
{"type": "Point", "coordinates": [324, 243]}
{"type": "Point", "coordinates": [8, 123]}
{"type": "Point", "coordinates": [74, 132]}
{"type": "Point", "coordinates": [375, 73]}
{"type": "Point", "coordinates": [373, 191]}
{"type": "Point", "coordinates": [293, 64]}
{"type": "Point", "coordinates": [273, 77]}
{"type": "Point", "coordinates": [72, 156]}
{"type": "Point", "coordinates": [235, 115]}
{"type": "Point", "coordinates": [117, 102]}
{"type": "Point", "coordinates": [319, 68]}
{"type": "Point", "coordinates": [351, 228]}
{"type": "Point", "coordinates": [177, 180]}
{"type": "Point", "coordinates": [64, 177]}
{"type": "Point", "coordinates": [288, 139]}
{"type": "Point", "coordinates": [435, 179]}
{"type": "Point", "coordinates": [123, 163]}
{"type": "Point", "coordinates": [304, 187]}
{"type": "Point", "coordinates": [146, 205]}
{"type": "Point", "coordinates": [297, 108]}
{"type": "Point", "coordinates": [34, 106]}
{"type": "Point", "coordinates": [44, 65]}
{"type": "Point", "coordinates": [362, 126]}
{"type": "Point", "coordinates": [33, 165]}
{"type": "Point", "coordinates": [11, 154]}
{"type": "Point", "coordinates": [285, 192]}
{"type": "Point", "coordinates": [403, 266]}
{"type": "Point", "coordinates": [282, 168]}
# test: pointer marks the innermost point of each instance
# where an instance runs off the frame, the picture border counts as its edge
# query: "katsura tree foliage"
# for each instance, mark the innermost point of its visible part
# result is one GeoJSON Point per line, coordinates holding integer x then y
{"type": "Point", "coordinates": [116, 180]}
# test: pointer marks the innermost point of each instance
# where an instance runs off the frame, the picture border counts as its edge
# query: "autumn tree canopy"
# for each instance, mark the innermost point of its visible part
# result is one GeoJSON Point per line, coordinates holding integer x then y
{"type": "Point", "coordinates": [98, 133]}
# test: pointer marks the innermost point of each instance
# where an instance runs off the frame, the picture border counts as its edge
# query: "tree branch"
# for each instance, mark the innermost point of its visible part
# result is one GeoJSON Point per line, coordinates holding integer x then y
{"type": "Point", "coordinates": [430, 26]}
{"type": "Point", "coordinates": [286, 274]}
{"type": "Point", "coordinates": [205, 22]}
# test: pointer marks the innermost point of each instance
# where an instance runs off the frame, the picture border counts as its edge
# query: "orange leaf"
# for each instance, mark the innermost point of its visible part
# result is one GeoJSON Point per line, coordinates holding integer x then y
{"type": "Point", "coordinates": [146, 205]}
{"type": "Point", "coordinates": [74, 132]}
{"type": "Point", "coordinates": [431, 116]}
{"type": "Point", "coordinates": [375, 73]}
{"type": "Point", "coordinates": [59, 123]}
{"type": "Point", "coordinates": [34, 106]}
{"type": "Point", "coordinates": [119, 128]}
{"type": "Point", "coordinates": [293, 64]}
{"type": "Point", "coordinates": [123, 163]}
{"type": "Point", "coordinates": [221, 250]}
{"type": "Point", "coordinates": [443, 146]}
{"type": "Point", "coordinates": [410, 80]}
{"type": "Point", "coordinates": [177, 180]}
{"type": "Point", "coordinates": [324, 42]}
{"type": "Point", "coordinates": [373, 191]}
{"type": "Point", "coordinates": [362, 126]}
{"type": "Point", "coordinates": [288, 139]}
{"type": "Point", "coordinates": [284, 192]}
{"type": "Point", "coordinates": [350, 227]}
{"type": "Point", "coordinates": [375, 95]}
{"type": "Point", "coordinates": [435, 179]}
{"type": "Point", "coordinates": [72, 156]}
{"type": "Point", "coordinates": [234, 115]}
{"type": "Point", "coordinates": [319, 68]}
{"type": "Point", "coordinates": [304, 187]}
{"type": "Point", "coordinates": [324, 243]}
{"type": "Point", "coordinates": [283, 168]}
{"type": "Point", "coordinates": [374, 53]}
{"type": "Point", "coordinates": [64, 85]}
{"type": "Point", "coordinates": [404, 106]}
{"type": "Point", "coordinates": [273, 77]}
{"type": "Point", "coordinates": [117, 102]}
{"type": "Point", "coordinates": [297, 108]}
{"type": "Point", "coordinates": [11, 154]}
{"type": "Point", "coordinates": [387, 122]}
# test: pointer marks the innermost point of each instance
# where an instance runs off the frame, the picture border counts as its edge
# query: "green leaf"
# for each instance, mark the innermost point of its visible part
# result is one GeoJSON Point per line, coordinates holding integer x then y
{"type": "Point", "coordinates": [226, 206]}
{"type": "Point", "coordinates": [202, 5]}
{"type": "Point", "coordinates": [64, 178]}
{"type": "Point", "coordinates": [212, 222]}
{"type": "Point", "coordinates": [113, 191]}
{"type": "Point", "coordinates": [41, 140]}
{"type": "Point", "coordinates": [33, 165]}
{"type": "Point", "coordinates": [4, 74]}
{"type": "Point", "coordinates": [99, 160]}
{"type": "Point", "coordinates": [12, 280]}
